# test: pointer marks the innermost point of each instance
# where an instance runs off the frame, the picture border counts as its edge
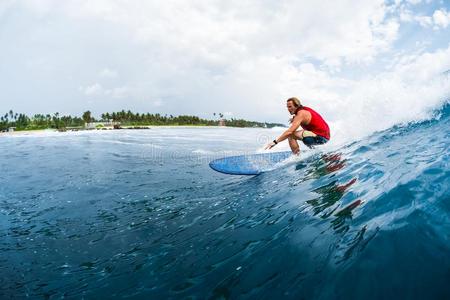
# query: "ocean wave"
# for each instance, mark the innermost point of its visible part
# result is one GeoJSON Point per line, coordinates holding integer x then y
{"type": "Point", "coordinates": [112, 214]}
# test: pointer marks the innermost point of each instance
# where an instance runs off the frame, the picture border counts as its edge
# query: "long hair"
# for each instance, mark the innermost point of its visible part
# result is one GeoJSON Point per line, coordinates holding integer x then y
{"type": "Point", "coordinates": [296, 102]}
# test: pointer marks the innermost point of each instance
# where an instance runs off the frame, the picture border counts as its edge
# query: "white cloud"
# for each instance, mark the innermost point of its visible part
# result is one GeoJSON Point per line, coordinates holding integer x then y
{"type": "Point", "coordinates": [241, 52]}
{"type": "Point", "coordinates": [413, 2]}
{"type": "Point", "coordinates": [214, 32]}
{"type": "Point", "coordinates": [424, 21]}
{"type": "Point", "coordinates": [441, 18]}
{"type": "Point", "coordinates": [92, 90]}
{"type": "Point", "coordinates": [97, 89]}
{"type": "Point", "coordinates": [108, 73]}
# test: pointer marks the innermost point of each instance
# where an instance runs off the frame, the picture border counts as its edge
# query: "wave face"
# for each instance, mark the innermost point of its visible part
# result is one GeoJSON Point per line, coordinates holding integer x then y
{"type": "Point", "coordinates": [140, 214]}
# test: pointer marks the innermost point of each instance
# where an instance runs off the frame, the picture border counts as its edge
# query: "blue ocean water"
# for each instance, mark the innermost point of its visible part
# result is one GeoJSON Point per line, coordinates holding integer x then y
{"type": "Point", "coordinates": [140, 215]}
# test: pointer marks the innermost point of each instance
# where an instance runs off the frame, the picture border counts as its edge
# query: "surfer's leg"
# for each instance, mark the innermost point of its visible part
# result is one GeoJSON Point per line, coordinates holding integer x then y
{"type": "Point", "coordinates": [309, 138]}
{"type": "Point", "coordinates": [300, 134]}
{"type": "Point", "coordinates": [293, 144]}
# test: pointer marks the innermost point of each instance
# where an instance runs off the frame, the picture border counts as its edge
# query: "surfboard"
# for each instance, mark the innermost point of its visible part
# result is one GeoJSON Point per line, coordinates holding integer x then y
{"type": "Point", "coordinates": [252, 164]}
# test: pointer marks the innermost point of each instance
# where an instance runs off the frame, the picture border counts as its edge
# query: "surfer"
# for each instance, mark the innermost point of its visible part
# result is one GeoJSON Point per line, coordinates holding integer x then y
{"type": "Point", "coordinates": [315, 130]}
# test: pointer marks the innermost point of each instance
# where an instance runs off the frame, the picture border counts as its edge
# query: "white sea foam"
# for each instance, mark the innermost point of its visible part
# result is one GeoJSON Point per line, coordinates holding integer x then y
{"type": "Point", "coordinates": [202, 151]}
{"type": "Point", "coordinates": [278, 128]}
{"type": "Point", "coordinates": [379, 103]}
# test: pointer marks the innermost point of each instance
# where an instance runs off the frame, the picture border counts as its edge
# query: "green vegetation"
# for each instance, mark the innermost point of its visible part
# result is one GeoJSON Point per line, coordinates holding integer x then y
{"type": "Point", "coordinates": [126, 118]}
{"type": "Point", "coordinates": [38, 121]}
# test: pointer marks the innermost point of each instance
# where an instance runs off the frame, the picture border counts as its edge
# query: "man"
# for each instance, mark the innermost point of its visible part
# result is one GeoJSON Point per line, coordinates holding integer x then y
{"type": "Point", "coordinates": [315, 130]}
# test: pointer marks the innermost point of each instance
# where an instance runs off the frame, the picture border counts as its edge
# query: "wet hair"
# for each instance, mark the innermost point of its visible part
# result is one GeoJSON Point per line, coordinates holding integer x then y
{"type": "Point", "coordinates": [296, 101]}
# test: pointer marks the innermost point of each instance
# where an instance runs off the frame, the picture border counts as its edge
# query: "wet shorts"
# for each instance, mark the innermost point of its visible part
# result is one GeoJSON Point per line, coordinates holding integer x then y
{"type": "Point", "coordinates": [311, 139]}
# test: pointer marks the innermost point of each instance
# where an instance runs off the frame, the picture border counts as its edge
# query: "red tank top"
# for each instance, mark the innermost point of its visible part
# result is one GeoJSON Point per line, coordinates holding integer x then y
{"type": "Point", "coordinates": [317, 124]}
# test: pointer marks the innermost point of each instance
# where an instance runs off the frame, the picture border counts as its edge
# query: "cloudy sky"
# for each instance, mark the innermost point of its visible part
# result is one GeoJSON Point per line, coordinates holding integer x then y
{"type": "Point", "coordinates": [239, 57]}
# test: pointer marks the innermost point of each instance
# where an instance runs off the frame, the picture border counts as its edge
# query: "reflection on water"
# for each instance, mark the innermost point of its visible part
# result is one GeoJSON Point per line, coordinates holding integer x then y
{"type": "Point", "coordinates": [328, 204]}
{"type": "Point", "coordinates": [339, 223]}
{"type": "Point", "coordinates": [330, 194]}
{"type": "Point", "coordinates": [325, 164]}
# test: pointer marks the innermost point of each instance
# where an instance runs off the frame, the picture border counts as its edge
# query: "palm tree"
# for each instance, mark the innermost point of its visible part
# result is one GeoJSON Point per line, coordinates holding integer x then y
{"type": "Point", "coordinates": [56, 120]}
{"type": "Point", "coordinates": [87, 116]}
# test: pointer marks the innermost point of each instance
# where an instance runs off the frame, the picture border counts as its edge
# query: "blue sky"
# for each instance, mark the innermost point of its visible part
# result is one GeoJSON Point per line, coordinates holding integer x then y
{"type": "Point", "coordinates": [241, 58]}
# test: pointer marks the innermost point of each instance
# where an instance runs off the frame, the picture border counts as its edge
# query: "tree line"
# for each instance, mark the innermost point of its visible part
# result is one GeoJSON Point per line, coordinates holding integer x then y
{"type": "Point", "coordinates": [38, 121]}
{"type": "Point", "coordinates": [126, 118]}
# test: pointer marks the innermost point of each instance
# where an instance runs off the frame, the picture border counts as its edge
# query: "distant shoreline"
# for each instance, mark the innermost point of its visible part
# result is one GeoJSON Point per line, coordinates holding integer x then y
{"type": "Point", "coordinates": [123, 119]}
{"type": "Point", "coordinates": [149, 127]}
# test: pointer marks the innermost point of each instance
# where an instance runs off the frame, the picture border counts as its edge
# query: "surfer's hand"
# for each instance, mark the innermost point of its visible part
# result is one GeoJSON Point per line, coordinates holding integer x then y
{"type": "Point", "coordinates": [269, 146]}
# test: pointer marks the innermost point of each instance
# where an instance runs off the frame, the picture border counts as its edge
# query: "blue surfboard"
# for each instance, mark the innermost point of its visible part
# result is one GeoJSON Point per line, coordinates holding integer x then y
{"type": "Point", "coordinates": [253, 164]}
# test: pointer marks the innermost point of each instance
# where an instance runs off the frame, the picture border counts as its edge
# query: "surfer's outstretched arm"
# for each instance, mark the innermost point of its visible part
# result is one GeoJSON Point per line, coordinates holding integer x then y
{"type": "Point", "coordinates": [290, 132]}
